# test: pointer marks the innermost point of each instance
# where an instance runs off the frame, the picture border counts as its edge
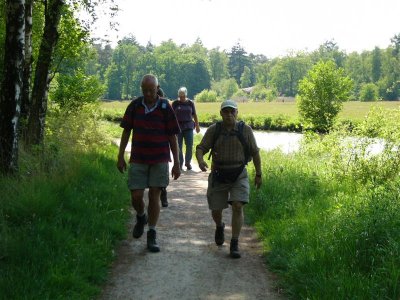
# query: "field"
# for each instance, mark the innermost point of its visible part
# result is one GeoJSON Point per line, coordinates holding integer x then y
{"type": "Point", "coordinates": [353, 110]}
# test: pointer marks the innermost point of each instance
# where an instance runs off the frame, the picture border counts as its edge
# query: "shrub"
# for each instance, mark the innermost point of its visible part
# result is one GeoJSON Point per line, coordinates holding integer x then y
{"type": "Point", "coordinates": [369, 92]}
{"type": "Point", "coordinates": [322, 93]}
{"type": "Point", "coordinates": [225, 88]}
{"type": "Point", "coordinates": [72, 91]}
{"type": "Point", "coordinates": [260, 93]}
{"type": "Point", "coordinates": [206, 96]}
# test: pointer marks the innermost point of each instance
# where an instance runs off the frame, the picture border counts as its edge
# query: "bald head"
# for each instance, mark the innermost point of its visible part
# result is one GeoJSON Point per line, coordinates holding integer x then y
{"type": "Point", "coordinates": [150, 78]}
{"type": "Point", "coordinates": [149, 87]}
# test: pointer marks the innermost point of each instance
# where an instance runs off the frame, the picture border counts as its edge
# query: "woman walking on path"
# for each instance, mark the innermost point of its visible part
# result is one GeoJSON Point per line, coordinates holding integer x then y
{"type": "Point", "coordinates": [185, 111]}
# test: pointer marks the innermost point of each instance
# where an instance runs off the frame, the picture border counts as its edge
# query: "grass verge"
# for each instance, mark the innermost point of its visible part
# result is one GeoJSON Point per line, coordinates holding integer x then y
{"type": "Point", "coordinates": [329, 220]}
{"type": "Point", "coordinates": [59, 224]}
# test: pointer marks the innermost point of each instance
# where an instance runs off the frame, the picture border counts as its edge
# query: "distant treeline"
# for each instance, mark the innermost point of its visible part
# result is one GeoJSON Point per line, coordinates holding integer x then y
{"type": "Point", "coordinates": [376, 73]}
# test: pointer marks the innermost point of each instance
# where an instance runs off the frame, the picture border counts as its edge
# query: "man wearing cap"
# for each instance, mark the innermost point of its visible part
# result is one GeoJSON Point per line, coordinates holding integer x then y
{"type": "Point", "coordinates": [232, 146]}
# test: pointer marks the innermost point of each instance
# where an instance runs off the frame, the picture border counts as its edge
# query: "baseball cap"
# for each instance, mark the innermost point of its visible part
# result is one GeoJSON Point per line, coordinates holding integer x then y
{"type": "Point", "coordinates": [228, 103]}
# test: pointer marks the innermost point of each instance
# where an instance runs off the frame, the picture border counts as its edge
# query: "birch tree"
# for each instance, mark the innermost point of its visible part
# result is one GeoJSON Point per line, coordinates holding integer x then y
{"type": "Point", "coordinates": [11, 86]}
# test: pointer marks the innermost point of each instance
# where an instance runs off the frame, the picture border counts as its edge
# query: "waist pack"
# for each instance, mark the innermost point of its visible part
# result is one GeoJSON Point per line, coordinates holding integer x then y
{"type": "Point", "coordinates": [228, 175]}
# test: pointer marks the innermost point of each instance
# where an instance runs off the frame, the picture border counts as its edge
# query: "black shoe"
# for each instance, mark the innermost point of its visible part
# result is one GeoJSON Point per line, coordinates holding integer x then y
{"type": "Point", "coordinates": [152, 241]}
{"type": "Point", "coordinates": [163, 197]}
{"type": "Point", "coordinates": [139, 226]}
{"type": "Point", "coordinates": [188, 166]}
{"type": "Point", "coordinates": [234, 249]}
{"type": "Point", "coordinates": [219, 235]}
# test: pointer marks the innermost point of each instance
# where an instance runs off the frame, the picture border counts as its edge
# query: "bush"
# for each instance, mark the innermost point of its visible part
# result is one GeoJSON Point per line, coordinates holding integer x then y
{"type": "Point", "coordinates": [72, 91]}
{"type": "Point", "coordinates": [369, 92]}
{"type": "Point", "coordinates": [321, 95]}
{"type": "Point", "coordinates": [206, 96]}
{"type": "Point", "coordinates": [260, 93]}
{"type": "Point", "coordinates": [225, 88]}
{"type": "Point", "coordinates": [240, 96]}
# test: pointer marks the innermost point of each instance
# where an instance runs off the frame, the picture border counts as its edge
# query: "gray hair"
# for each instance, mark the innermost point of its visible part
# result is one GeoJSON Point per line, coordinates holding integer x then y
{"type": "Point", "coordinates": [182, 90]}
{"type": "Point", "coordinates": [150, 77]}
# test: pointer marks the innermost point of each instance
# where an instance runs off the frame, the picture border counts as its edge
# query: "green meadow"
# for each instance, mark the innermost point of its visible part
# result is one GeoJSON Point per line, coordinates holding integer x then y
{"type": "Point", "coordinates": [267, 115]}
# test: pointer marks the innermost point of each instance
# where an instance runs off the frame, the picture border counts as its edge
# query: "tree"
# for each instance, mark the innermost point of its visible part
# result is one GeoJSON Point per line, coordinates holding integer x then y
{"type": "Point", "coordinates": [237, 61]}
{"type": "Point", "coordinates": [113, 82]}
{"type": "Point", "coordinates": [11, 86]}
{"type": "Point", "coordinates": [287, 72]}
{"type": "Point", "coordinates": [376, 64]}
{"type": "Point", "coordinates": [245, 79]}
{"type": "Point", "coordinates": [358, 67]}
{"type": "Point", "coordinates": [329, 50]}
{"type": "Point", "coordinates": [38, 111]}
{"type": "Point", "coordinates": [26, 79]}
{"type": "Point", "coordinates": [218, 64]}
{"type": "Point", "coordinates": [396, 44]}
{"type": "Point", "coordinates": [322, 93]}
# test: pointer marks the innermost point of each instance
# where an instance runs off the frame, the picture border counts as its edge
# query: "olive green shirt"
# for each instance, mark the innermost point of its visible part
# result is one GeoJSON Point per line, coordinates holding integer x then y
{"type": "Point", "coordinates": [228, 151]}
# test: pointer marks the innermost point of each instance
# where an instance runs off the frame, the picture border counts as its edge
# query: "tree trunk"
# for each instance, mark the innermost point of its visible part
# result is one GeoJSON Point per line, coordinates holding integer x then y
{"type": "Point", "coordinates": [10, 95]}
{"type": "Point", "coordinates": [38, 110]}
{"type": "Point", "coordinates": [25, 99]}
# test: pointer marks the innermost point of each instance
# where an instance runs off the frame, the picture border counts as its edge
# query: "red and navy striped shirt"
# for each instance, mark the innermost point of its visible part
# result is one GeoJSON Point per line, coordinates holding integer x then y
{"type": "Point", "coordinates": [150, 144]}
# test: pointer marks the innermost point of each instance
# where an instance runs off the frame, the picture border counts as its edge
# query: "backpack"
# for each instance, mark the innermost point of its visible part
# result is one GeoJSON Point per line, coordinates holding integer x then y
{"type": "Point", "coordinates": [238, 134]}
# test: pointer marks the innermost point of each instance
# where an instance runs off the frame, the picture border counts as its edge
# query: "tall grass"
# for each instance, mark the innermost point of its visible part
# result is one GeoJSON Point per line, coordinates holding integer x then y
{"type": "Point", "coordinates": [62, 215]}
{"type": "Point", "coordinates": [329, 215]}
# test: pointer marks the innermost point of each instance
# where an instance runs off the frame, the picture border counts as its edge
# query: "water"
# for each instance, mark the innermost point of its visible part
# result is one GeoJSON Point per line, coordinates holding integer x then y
{"type": "Point", "coordinates": [266, 140]}
{"type": "Point", "coordinates": [290, 142]}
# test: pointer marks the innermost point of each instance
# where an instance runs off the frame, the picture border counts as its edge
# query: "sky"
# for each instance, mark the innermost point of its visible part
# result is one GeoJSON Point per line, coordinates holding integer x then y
{"type": "Point", "coordinates": [270, 27]}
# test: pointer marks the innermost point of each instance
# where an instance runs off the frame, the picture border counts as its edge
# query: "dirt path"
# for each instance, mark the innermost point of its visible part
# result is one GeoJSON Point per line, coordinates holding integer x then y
{"type": "Point", "coordinates": [190, 265]}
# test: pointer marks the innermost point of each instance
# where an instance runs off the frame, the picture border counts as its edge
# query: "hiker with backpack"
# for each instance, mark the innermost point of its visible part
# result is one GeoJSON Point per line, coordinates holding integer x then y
{"type": "Point", "coordinates": [185, 111]}
{"type": "Point", "coordinates": [154, 126]}
{"type": "Point", "coordinates": [232, 145]}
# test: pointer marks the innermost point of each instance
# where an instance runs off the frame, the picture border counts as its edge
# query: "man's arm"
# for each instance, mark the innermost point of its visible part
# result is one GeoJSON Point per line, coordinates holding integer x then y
{"type": "Point", "coordinates": [199, 155]}
{"type": "Point", "coordinates": [196, 123]}
{"type": "Point", "coordinates": [257, 166]}
{"type": "Point", "coordinates": [176, 169]}
{"type": "Point", "coordinates": [121, 164]}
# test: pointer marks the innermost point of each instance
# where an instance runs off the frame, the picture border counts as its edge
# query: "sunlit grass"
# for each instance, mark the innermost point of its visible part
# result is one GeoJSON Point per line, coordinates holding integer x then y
{"type": "Point", "coordinates": [354, 110]}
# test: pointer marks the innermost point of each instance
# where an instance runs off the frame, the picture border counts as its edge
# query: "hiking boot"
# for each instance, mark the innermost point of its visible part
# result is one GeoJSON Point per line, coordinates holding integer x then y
{"type": "Point", "coordinates": [234, 249]}
{"type": "Point", "coordinates": [163, 197]}
{"type": "Point", "coordinates": [152, 241]}
{"type": "Point", "coordinates": [219, 235]}
{"type": "Point", "coordinates": [139, 226]}
{"type": "Point", "coordinates": [188, 166]}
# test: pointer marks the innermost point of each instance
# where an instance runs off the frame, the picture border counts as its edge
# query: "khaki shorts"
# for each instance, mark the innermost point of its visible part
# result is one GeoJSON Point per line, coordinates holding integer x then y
{"type": "Point", "coordinates": [220, 195]}
{"type": "Point", "coordinates": [141, 176]}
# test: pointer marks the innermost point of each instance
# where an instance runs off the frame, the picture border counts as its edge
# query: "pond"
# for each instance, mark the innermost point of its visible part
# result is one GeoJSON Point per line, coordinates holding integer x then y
{"type": "Point", "coordinates": [269, 140]}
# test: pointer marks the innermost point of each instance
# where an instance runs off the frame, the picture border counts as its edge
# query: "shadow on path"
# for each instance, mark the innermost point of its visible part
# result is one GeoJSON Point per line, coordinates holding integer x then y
{"type": "Point", "coordinates": [190, 265]}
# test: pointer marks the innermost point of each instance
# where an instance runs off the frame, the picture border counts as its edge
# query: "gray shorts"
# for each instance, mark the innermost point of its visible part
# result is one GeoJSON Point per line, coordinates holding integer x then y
{"type": "Point", "coordinates": [219, 195]}
{"type": "Point", "coordinates": [141, 176]}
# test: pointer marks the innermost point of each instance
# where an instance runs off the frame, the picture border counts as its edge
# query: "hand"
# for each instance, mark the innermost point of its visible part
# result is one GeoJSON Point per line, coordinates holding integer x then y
{"type": "Point", "coordinates": [176, 171]}
{"type": "Point", "coordinates": [203, 166]}
{"type": "Point", "coordinates": [121, 164]}
{"type": "Point", "coordinates": [257, 181]}
{"type": "Point", "coordinates": [197, 129]}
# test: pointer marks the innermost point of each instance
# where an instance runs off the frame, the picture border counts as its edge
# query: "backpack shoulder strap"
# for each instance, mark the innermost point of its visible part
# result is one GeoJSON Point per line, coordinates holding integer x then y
{"type": "Point", "coordinates": [164, 108]}
{"type": "Point", "coordinates": [243, 142]}
{"type": "Point", "coordinates": [217, 132]}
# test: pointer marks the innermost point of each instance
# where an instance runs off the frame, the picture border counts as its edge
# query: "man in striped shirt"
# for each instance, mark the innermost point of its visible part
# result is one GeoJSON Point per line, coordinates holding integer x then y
{"type": "Point", "coordinates": [154, 127]}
